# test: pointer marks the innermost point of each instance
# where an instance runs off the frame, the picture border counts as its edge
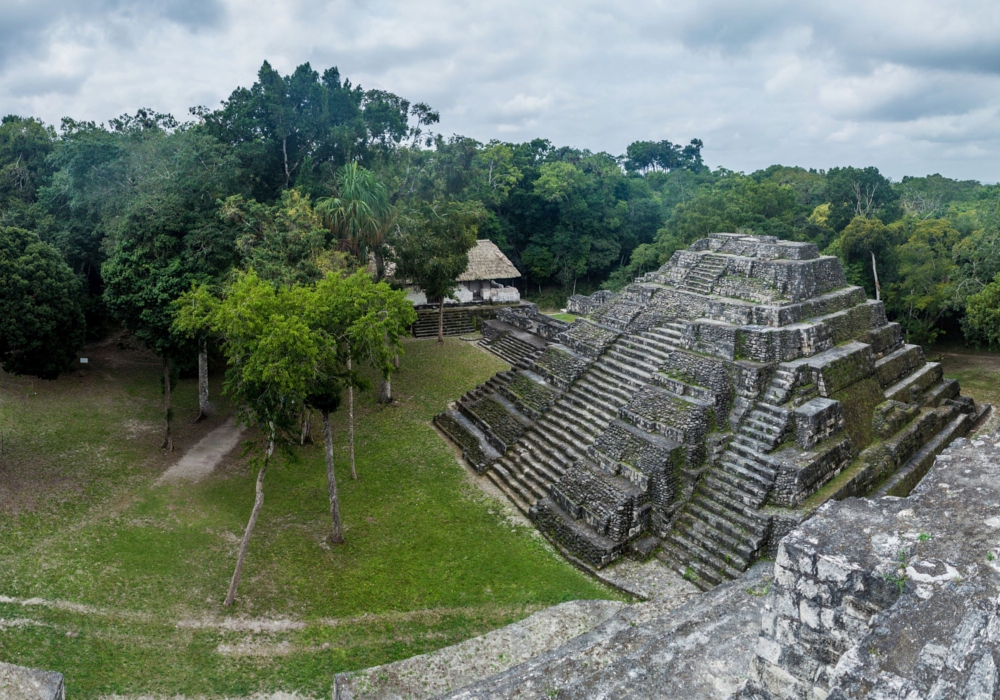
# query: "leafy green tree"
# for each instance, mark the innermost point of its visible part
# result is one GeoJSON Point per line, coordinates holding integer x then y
{"type": "Point", "coordinates": [293, 131]}
{"type": "Point", "coordinates": [864, 246]}
{"type": "Point", "coordinates": [166, 237]}
{"type": "Point", "coordinates": [982, 315]}
{"type": "Point", "coordinates": [432, 249]}
{"type": "Point", "coordinates": [25, 147]}
{"type": "Point", "coordinates": [860, 192]}
{"type": "Point", "coordinates": [922, 294]}
{"type": "Point", "coordinates": [663, 156]}
{"type": "Point", "coordinates": [273, 360]}
{"type": "Point", "coordinates": [41, 322]}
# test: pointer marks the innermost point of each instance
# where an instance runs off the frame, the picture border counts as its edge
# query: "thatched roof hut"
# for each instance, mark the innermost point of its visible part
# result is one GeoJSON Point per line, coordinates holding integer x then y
{"type": "Point", "coordinates": [486, 262]}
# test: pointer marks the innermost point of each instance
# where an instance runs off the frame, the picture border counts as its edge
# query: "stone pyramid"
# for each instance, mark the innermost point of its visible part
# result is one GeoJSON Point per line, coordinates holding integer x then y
{"type": "Point", "coordinates": [707, 409]}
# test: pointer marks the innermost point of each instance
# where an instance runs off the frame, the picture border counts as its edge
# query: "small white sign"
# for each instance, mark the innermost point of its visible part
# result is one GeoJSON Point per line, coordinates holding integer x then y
{"type": "Point", "coordinates": [83, 360]}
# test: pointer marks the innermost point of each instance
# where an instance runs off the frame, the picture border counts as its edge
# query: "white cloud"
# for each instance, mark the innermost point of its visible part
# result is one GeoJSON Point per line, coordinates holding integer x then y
{"type": "Point", "coordinates": [911, 87]}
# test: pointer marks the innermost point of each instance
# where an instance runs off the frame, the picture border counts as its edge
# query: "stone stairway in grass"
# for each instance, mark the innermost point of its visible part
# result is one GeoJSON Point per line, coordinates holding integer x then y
{"type": "Point", "coordinates": [512, 350]}
{"type": "Point", "coordinates": [561, 436]}
{"type": "Point", "coordinates": [703, 275]}
{"type": "Point", "coordinates": [456, 322]}
{"type": "Point", "coordinates": [722, 529]}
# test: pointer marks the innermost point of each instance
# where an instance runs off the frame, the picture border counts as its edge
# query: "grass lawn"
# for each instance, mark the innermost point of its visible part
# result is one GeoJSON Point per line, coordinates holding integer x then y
{"type": "Point", "coordinates": [118, 583]}
{"type": "Point", "coordinates": [569, 318]}
{"type": "Point", "coordinates": [977, 372]}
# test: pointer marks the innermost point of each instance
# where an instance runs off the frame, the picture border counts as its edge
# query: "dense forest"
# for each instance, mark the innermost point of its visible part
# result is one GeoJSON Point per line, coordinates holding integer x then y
{"type": "Point", "coordinates": [114, 221]}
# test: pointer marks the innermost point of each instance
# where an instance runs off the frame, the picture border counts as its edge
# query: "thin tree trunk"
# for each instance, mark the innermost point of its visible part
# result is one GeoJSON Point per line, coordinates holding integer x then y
{"type": "Point", "coordinates": [202, 382]}
{"type": "Point", "coordinates": [337, 533]}
{"type": "Point", "coordinates": [395, 360]}
{"type": "Point", "coordinates": [441, 321]}
{"type": "Point", "coordinates": [168, 440]}
{"type": "Point", "coordinates": [350, 422]}
{"type": "Point", "coordinates": [379, 265]}
{"type": "Point", "coordinates": [306, 437]}
{"type": "Point", "coordinates": [878, 289]}
{"type": "Point", "coordinates": [385, 390]}
{"type": "Point", "coordinates": [257, 503]}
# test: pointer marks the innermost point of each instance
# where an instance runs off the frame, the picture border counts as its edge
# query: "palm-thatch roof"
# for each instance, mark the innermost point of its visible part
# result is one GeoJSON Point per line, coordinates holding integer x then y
{"type": "Point", "coordinates": [486, 262]}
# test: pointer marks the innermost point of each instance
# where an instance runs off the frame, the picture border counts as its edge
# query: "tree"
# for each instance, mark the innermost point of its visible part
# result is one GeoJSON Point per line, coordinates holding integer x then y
{"type": "Point", "coordinates": [858, 243]}
{"type": "Point", "coordinates": [924, 289]}
{"type": "Point", "coordinates": [166, 237]}
{"type": "Point", "coordinates": [432, 248]}
{"type": "Point", "coordinates": [41, 322]}
{"type": "Point", "coordinates": [982, 315]}
{"type": "Point", "coordinates": [294, 130]}
{"type": "Point", "coordinates": [662, 156]}
{"type": "Point", "coordinates": [359, 214]}
{"type": "Point", "coordinates": [360, 318]}
{"type": "Point", "coordinates": [860, 192]}
{"type": "Point", "coordinates": [274, 358]}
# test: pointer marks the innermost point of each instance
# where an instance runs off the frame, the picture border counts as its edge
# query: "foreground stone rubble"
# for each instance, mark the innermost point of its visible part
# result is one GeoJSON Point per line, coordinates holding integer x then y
{"type": "Point", "coordinates": [705, 410]}
{"type": "Point", "coordinates": [887, 598]}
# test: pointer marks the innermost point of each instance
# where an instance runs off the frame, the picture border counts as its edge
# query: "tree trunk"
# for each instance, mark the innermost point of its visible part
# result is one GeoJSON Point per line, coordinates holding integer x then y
{"type": "Point", "coordinates": [306, 437]}
{"type": "Point", "coordinates": [337, 533]}
{"type": "Point", "coordinates": [350, 422]}
{"type": "Point", "coordinates": [441, 321]}
{"type": "Point", "coordinates": [379, 265]}
{"type": "Point", "coordinates": [202, 382]}
{"type": "Point", "coordinates": [168, 440]}
{"type": "Point", "coordinates": [878, 289]}
{"type": "Point", "coordinates": [395, 360]}
{"type": "Point", "coordinates": [385, 390]}
{"type": "Point", "coordinates": [257, 503]}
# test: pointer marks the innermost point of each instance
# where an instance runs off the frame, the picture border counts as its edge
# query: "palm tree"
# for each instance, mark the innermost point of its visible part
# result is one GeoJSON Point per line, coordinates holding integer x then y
{"type": "Point", "coordinates": [359, 214]}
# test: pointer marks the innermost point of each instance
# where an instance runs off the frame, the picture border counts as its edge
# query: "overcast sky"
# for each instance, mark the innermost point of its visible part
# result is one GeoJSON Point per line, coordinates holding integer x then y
{"type": "Point", "coordinates": [911, 86]}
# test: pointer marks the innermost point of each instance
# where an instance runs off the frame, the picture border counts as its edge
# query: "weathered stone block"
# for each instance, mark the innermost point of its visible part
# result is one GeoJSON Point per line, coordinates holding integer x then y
{"type": "Point", "coordinates": [817, 420]}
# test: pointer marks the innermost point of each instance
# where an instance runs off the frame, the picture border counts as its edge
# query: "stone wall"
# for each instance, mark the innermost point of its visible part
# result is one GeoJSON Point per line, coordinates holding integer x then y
{"type": "Point", "coordinates": [527, 317]}
{"type": "Point", "coordinates": [890, 598]}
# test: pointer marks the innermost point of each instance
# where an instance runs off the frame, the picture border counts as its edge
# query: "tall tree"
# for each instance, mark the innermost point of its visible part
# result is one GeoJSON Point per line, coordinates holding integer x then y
{"type": "Point", "coordinates": [294, 130]}
{"type": "Point", "coordinates": [167, 237]}
{"type": "Point", "coordinates": [41, 322]}
{"type": "Point", "coordinates": [273, 358]}
{"type": "Point", "coordinates": [432, 248]}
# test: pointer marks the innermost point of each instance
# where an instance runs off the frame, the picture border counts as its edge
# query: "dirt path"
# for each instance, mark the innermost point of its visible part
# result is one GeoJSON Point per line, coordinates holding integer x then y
{"type": "Point", "coordinates": [201, 459]}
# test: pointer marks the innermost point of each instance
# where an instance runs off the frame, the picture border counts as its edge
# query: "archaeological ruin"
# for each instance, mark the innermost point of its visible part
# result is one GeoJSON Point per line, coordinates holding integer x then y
{"type": "Point", "coordinates": [706, 410]}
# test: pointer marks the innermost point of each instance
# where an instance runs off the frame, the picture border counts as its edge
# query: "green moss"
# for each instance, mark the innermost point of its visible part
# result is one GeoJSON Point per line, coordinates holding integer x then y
{"type": "Point", "coordinates": [859, 401]}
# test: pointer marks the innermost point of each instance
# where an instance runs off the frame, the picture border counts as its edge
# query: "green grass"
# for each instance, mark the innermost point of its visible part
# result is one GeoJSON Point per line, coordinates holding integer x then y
{"type": "Point", "coordinates": [568, 318]}
{"type": "Point", "coordinates": [429, 559]}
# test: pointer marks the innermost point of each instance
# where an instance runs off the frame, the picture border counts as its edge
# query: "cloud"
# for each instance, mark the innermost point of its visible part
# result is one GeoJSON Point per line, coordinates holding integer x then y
{"type": "Point", "coordinates": [910, 87]}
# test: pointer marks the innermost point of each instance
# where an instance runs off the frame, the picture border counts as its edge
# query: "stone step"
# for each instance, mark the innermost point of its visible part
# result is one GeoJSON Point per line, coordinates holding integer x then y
{"type": "Point", "coordinates": [642, 359]}
{"type": "Point", "coordinates": [745, 471]}
{"type": "Point", "coordinates": [501, 476]}
{"type": "Point", "coordinates": [739, 515]}
{"type": "Point", "coordinates": [583, 431]}
{"type": "Point", "coordinates": [610, 382]}
{"type": "Point", "coordinates": [751, 444]}
{"type": "Point", "coordinates": [637, 370]}
{"type": "Point", "coordinates": [714, 568]}
{"type": "Point", "coordinates": [623, 377]}
{"type": "Point", "coordinates": [733, 483]}
{"type": "Point", "coordinates": [530, 455]}
{"type": "Point", "coordinates": [542, 448]}
{"type": "Point", "coordinates": [583, 415]}
{"type": "Point", "coordinates": [680, 561]}
{"type": "Point", "coordinates": [714, 486]}
{"type": "Point", "coordinates": [732, 523]}
{"type": "Point", "coordinates": [590, 397]}
{"type": "Point", "coordinates": [655, 354]}
{"type": "Point", "coordinates": [734, 552]}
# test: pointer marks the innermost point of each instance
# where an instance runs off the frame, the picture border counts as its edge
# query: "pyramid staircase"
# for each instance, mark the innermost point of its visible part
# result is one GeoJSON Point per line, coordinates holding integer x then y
{"type": "Point", "coordinates": [561, 436]}
{"type": "Point", "coordinates": [456, 322]}
{"type": "Point", "coordinates": [722, 530]}
{"type": "Point", "coordinates": [705, 273]}
{"type": "Point", "coordinates": [512, 350]}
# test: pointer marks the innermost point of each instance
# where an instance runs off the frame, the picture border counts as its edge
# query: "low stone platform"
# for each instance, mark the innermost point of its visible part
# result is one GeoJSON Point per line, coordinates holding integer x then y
{"type": "Point", "coordinates": [20, 683]}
